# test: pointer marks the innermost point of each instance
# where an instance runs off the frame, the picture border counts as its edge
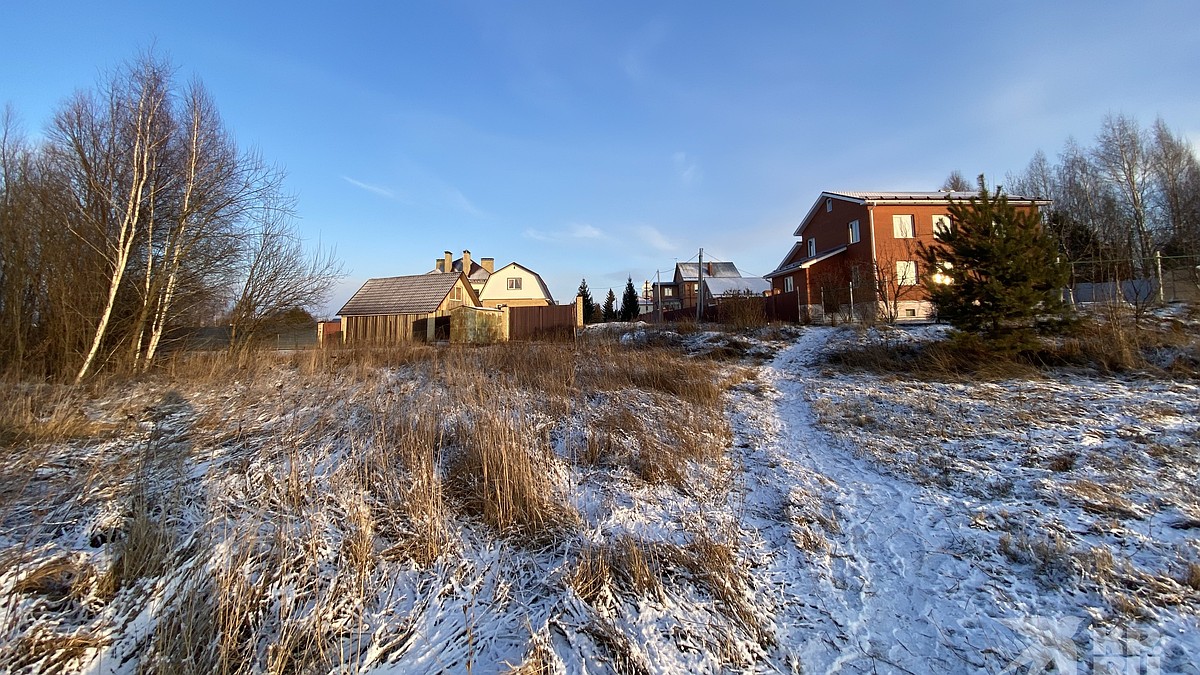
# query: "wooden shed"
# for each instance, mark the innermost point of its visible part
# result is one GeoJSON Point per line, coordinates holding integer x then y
{"type": "Point", "coordinates": [385, 310]}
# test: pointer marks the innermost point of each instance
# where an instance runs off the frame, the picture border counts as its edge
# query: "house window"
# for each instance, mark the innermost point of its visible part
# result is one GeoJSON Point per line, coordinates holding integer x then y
{"type": "Point", "coordinates": [854, 232]}
{"type": "Point", "coordinates": [906, 272]}
{"type": "Point", "coordinates": [514, 283]}
{"type": "Point", "coordinates": [941, 225]}
{"type": "Point", "coordinates": [812, 248]}
{"type": "Point", "coordinates": [910, 313]}
{"type": "Point", "coordinates": [789, 284]}
{"type": "Point", "coordinates": [828, 205]}
{"type": "Point", "coordinates": [902, 226]}
{"type": "Point", "coordinates": [668, 292]}
{"type": "Point", "coordinates": [456, 294]}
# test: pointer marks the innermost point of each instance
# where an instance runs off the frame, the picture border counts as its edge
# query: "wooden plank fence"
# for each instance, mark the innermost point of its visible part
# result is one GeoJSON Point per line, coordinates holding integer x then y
{"type": "Point", "coordinates": [555, 322]}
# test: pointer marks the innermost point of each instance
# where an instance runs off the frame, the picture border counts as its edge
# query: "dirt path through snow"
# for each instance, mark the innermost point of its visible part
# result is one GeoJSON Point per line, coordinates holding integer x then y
{"type": "Point", "coordinates": [866, 572]}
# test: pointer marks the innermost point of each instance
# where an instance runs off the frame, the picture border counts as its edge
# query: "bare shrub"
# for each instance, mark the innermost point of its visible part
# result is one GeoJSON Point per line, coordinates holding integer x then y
{"type": "Point", "coordinates": [743, 311]}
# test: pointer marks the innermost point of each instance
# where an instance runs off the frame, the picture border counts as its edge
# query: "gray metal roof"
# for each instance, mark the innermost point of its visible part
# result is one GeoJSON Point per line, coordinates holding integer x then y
{"type": "Point", "coordinates": [718, 286]}
{"type": "Point", "coordinates": [416, 294]}
{"type": "Point", "coordinates": [691, 271]}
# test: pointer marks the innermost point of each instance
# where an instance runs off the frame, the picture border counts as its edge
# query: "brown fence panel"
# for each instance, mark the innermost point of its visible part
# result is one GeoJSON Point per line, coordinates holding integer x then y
{"type": "Point", "coordinates": [783, 307]}
{"type": "Point", "coordinates": [555, 322]}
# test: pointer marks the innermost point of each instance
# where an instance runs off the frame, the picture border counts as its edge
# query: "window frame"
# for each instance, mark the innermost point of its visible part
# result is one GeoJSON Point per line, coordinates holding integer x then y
{"type": "Point", "coordinates": [855, 234]}
{"type": "Point", "coordinates": [906, 273]}
{"type": "Point", "coordinates": [812, 247]}
{"type": "Point", "coordinates": [514, 283]}
{"type": "Point", "coordinates": [789, 284]}
{"type": "Point", "coordinates": [941, 223]}
{"type": "Point", "coordinates": [911, 223]}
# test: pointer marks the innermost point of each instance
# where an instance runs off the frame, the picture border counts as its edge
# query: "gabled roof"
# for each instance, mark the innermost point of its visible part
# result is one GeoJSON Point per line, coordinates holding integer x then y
{"type": "Point", "coordinates": [805, 264]}
{"type": "Point", "coordinates": [718, 286]}
{"type": "Point", "coordinates": [915, 198]}
{"type": "Point", "coordinates": [691, 271]}
{"type": "Point", "coordinates": [415, 294]}
{"type": "Point", "coordinates": [541, 283]}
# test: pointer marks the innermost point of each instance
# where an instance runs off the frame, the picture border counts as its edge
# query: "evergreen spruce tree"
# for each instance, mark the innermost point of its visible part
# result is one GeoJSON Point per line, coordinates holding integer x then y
{"type": "Point", "coordinates": [610, 307]}
{"type": "Point", "coordinates": [589, 305]}
{"type": "Point", "coordinates": [629, 302]}
{"type": "Point", "coordinates": [995, 272]}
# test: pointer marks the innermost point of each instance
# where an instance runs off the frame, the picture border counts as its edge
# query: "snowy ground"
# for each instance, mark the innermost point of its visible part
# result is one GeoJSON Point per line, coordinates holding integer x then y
{"type": "Point", "coordinates": [854, 523]}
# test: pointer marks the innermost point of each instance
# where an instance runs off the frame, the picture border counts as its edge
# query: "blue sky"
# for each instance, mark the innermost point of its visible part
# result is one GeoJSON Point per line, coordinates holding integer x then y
{"type": "Point", "coordinates": [610, 139]}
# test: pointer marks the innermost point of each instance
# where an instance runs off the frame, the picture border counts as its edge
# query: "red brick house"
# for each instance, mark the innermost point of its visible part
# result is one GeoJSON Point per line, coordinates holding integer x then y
{"type": "Point", "coordinates": [857, 253]}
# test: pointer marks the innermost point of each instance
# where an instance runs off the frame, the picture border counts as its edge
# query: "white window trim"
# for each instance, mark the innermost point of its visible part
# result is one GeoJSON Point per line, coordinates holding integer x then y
{"type": "Point", "coordinates": [855, 235]}
{"type": "Point", "coordinates": [906, 272]}
{"type": "Point", "coordinates": [911, 226]}
{"type": "Point", "coordinates": [514, 283]}
{"type": "Point", "coordinates": [789, 284]}
{"type": "Point", "coordinates": [828, 204]}
{"type": "Point", "coordinates": [812, 247]}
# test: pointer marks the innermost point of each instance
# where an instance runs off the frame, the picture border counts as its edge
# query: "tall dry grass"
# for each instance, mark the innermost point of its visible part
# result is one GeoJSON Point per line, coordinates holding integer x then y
{"type": "Point", "coordinates": [260, 504]}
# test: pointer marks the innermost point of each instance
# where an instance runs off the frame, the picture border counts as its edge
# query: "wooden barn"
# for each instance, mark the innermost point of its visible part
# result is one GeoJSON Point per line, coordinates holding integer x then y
{"type": "Point", "coordinates": [388, 309]}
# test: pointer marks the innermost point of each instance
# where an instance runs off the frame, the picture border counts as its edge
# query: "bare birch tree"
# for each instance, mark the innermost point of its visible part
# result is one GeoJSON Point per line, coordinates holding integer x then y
{"type": "Point", "coordinates": [111, 149]}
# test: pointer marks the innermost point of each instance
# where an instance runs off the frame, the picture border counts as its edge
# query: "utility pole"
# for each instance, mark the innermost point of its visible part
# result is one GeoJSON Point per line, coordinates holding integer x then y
{"type": "Point", "coordinates": [658, 296]}
{"type": "Point", "coordinates": [700, 287]}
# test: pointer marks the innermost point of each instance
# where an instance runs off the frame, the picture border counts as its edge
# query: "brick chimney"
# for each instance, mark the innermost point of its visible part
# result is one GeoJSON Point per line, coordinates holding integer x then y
{"type": "Point", "coordinates": [466, 262]}
{"type": "Point", "coordinates": [488, 264]}
{"type": "Point", "coordinates": [447, 261]}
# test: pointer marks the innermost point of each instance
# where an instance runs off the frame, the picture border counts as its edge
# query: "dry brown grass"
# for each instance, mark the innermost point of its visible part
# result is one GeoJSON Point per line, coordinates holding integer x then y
{"type": "Point", "coordinates": [500, 473]}
{"type": "Point", "coordinates": [257, 530]}
{"type": "Point", "coordinates": [1100, 499]}
{"type": "Point", "coordinates": [41, 413]}
{"type": "Point", "coordinates": [45, 650]}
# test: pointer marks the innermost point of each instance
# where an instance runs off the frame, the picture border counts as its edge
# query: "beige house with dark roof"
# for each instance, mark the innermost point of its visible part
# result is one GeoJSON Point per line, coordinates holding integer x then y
{"type": "Point", "coordinates": [513, 285]}
{"type": "Point", "coordinates": [388, 309]}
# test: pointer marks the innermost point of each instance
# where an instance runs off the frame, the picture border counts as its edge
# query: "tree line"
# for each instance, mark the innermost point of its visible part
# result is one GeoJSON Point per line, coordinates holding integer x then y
{"type": "Point", "coordinates": [1133, 193]}
{"type": "Point", "coordinates": [136, 214]}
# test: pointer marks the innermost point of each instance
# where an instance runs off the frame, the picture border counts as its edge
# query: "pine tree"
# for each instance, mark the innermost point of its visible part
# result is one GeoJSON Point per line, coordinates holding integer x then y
{"type": "Point", "coordinates": [629, 302]}
{"type": "Point", "coordinates": [610, 307]}
{"type": "Point", "coordinates": [994, 272]}
{"type": "Point", "coordinates": [589, 305]}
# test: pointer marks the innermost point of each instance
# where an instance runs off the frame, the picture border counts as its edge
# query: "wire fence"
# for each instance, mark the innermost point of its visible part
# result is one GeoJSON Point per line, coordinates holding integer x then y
{"type": "Point", "coordinates": [1170, 278]}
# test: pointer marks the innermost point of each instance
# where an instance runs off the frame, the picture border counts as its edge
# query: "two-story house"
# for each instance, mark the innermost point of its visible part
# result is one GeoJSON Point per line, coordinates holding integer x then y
{"type": "Point", "coordinates": [513, 285]}
{"type": "Point", "coordinates": [857, 251]}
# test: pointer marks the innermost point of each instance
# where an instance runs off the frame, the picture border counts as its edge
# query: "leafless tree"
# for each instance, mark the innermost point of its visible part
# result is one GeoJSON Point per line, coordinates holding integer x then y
{"type": "Point", "coordinates": [110, 148]}
{"type": "Point", "coordinates": [956, 183]}
{"type": "Point", "coordinates": [1176, 195]}
{"type": "Point", "coordinates": [1122, 154]}
{"type": "Point", "coordinates": [276, 273]}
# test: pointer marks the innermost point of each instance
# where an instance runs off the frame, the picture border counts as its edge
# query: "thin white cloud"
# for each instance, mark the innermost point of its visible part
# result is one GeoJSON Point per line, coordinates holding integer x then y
{"type": "Point", "coordinates": [374, 189]}
{"type": "Point", "coordinates": [653, 238]}
{"type": "Point", "coordinates": [585, 231]}
{"type": "Point", "coordinates": [458, 199]}
{"type": "Point", "coordinates": [573, 232]}
{"type": "Point", "coordinates": [647, 39]}
{"type": "Point", "coordinates": [687, 168]}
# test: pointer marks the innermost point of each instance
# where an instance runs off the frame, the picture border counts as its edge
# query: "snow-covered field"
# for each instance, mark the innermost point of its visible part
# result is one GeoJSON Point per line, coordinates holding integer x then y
{"type": "Point", "coordinates": [809, 519]}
